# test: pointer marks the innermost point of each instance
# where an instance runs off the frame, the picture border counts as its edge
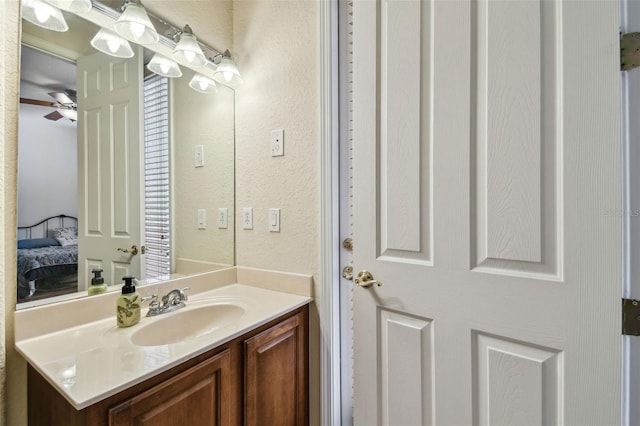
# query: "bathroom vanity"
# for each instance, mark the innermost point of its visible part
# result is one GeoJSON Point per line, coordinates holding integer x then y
{"type": "Point", "coordinates": [246, 367]}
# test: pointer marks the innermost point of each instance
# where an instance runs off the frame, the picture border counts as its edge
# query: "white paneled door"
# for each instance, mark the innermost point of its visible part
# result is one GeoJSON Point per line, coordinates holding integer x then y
{"type": "Point", "coordinates": [110, 134]}
{"type": "Point", "coordinates": [487, 200]}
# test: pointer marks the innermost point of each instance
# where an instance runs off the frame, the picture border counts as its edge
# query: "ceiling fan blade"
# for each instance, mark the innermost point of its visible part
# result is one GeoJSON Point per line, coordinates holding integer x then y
{"type": "Point", "coordinates": [64, 98]}
{"type": "Point", "coordinates": [55, 115]}
{"type": "Point", "coordinates": [36, 102]}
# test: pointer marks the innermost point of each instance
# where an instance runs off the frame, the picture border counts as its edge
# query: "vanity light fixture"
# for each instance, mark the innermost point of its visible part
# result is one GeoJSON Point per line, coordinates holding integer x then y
{"type": "Point", "coordinates": [112, 44]}
{"type": "Point", "coordinates": [134, 24]}
{"type": "Point", "coordinates": [44, 15]}
{"type": "Point", "coordinates": [203, 84]}
{"type": "Point", "coordinates": [227, 71]}
{"type": "Point", "coordinates": [164, 66]}
{"type": "Point", "coordinates": [75, 6]}
{"type": "Point", "coordinates": [188, 49]}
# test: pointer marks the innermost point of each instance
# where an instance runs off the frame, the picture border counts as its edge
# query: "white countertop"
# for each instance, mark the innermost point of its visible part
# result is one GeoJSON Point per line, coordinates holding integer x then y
{"type": "Point", "coordinates": [93, 361]}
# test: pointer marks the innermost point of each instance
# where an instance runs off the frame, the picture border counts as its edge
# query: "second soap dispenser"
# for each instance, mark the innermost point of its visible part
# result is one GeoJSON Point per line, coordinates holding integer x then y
{"type": "Point", "coordinates": [128, 309]}
{"type": "Point", "coordinates": [97, 283]}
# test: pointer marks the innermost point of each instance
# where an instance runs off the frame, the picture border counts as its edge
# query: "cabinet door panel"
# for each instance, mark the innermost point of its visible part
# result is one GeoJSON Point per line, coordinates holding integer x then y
{"type": "Point", "coordinates": [276, 375]}
{"type": "Point", "coordinates": [198, 396]}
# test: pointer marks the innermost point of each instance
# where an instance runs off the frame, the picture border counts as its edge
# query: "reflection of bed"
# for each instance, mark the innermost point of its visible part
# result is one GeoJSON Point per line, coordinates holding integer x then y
{"type": "Point", "coordinates": [48, 257]}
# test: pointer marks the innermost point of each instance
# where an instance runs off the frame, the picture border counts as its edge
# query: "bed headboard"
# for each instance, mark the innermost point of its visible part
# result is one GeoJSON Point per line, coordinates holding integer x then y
{"type": "Point", "coordinates": [41, 229]}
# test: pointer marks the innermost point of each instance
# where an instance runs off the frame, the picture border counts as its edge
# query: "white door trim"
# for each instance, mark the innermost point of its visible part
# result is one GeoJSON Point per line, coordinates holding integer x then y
{"type": "Point", "coordinates": [329, 216]}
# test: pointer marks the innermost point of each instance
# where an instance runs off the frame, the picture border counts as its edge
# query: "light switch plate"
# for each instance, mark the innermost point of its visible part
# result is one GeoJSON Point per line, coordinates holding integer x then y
{"type": "Point", "coordinates": [199, 156]}
{"type": "Point", "coordinates": [202, 219]}
{"type": "Point", "coordinates": [274, 220]}
{"type": "Point", "coordinates": [277, 143]}
{"type": "Point", "coordinates": [222, 218]}
{"type": "Point", "coordinates": [247, 218]}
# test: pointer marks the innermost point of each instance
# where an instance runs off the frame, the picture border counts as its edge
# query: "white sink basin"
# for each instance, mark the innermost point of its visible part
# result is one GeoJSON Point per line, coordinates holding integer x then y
{"type": "Point", "coordinates": [187, 323]}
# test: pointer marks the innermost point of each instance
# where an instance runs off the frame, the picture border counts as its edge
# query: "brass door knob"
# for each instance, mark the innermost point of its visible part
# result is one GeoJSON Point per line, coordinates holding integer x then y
{"type": "Point", "coordinates": [365, 279]}
{"type": "Point", "coordinates": [133, 250]}
{"type": "Point", "coordinates": [348, 244]}
{"type": "Point", "coordinates": [347, 273]}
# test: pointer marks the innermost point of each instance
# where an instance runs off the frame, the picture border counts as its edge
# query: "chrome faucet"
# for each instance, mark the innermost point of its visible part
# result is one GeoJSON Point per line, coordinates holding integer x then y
{"type": "Point", "coordinates": [170, 302]}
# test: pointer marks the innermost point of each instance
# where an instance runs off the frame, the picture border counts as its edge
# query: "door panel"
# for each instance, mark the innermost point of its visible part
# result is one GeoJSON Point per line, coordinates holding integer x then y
{"type": "Point", "coordinates": [481, 186]}
{"type": "Point", "coordinates": [109, 181]}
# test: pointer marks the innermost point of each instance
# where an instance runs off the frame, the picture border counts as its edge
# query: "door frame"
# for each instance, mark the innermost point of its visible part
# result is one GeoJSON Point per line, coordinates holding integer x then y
{"type": "Point", "coordinates": [329, 309]}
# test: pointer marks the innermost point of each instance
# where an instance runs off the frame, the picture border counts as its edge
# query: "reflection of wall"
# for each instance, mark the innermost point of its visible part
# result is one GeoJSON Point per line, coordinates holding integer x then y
{"type": "Point", "coordinates": [207, 120]}
{"type": "Point", "coordinates": [47, 166]}
{"type": "Point", "coordinates": [277, 47]}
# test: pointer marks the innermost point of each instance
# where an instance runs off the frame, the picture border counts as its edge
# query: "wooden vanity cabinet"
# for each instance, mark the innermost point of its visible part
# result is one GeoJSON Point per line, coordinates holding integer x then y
{"type": "Point", "coordinates": [259, 378]}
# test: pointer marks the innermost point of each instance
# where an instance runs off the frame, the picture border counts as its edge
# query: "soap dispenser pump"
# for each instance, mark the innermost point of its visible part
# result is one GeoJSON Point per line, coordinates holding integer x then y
{"type": "Point", "coordinates": [128, 310]}
{"type": "Point", "coordinates": [97, 283]}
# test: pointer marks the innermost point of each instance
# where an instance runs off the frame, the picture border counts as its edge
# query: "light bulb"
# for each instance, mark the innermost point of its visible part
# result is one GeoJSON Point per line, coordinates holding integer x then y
{"type": "Point", "coordinates": [189, 56]}
{"type": "Point", "coordinates": [43, 13]}
{"type": "Point", "coordinates": [113, 45]}
{"type": "Point", "coordinates": [228, 75]}
{"type": "Point", "coordinates": [164, 67]}
{"type": "Point", "coordinates": [137, 29]}
{"type": "Point", "coordinates": [203, 85]}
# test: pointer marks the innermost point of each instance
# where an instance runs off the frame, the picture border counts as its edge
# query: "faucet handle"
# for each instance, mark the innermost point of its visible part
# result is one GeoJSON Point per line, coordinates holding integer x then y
{"type": "Point", "coordinates": [154, 300]}
{"type": "Point", "coordinates": [183, 294]}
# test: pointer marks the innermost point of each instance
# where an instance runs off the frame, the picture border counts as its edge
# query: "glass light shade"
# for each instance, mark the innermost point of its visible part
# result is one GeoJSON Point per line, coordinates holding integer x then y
{"type": "Point", "coordinates": [164, 66]}
{"type": "Point", "coordinates": [203, 84]}
{"type": "Point", "coordinates": [44, 15]}
{"type": "Point", "coordinates": [189, 50]}
{"type": "Point", "coordinates": [75, 6]}
{"type": "Point", "coordinates": [134, 24]}
{"type": "Point", "coordinates": [227, 72]}
{"type": "Point", "coordinates": [112, 44]}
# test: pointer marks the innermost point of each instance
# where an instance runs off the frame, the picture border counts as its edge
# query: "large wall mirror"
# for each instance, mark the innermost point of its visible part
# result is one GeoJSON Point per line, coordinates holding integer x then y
{"type": "Point", "coordinates": [155, 206]}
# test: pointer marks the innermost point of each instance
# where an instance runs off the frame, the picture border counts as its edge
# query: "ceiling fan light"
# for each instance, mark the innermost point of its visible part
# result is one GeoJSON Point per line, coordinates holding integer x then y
{"type": "Point", "coordinates": [44, 15]}
{"type": "Point", "coordinates": [188, 50]}
{"type": "Point", "coordinates": [134, 24]}
{"type": "Point", "coordinates": [203, 84]}
{"type": "Point", "coordinates": [112, 44]}
{"type": "Point", "coordinates": [227, 72]}
{"type": "Point", "coordinates": [75, 6]}
{"type": "Point", "coordinates": [164, 66]}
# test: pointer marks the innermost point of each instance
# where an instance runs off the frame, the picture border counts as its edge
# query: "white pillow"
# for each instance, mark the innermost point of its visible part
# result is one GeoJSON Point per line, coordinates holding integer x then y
{"type": "Point", "coordinates": [66, 236]}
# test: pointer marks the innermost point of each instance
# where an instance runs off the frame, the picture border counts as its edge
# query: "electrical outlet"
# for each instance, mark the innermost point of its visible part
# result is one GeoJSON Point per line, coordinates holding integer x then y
{"type": "Point", "coordinates": [277, 143]}
{"type": "Point", "coordinates": [202, 219]}
{"type": "Point", "coordinates": [247, 218]}
{"type": "Point", "coordinates": [274, 220]}
{"type": "Point", "coordinates": [199, 156]}
{"type": "Point", "coordinates": [222, 218]}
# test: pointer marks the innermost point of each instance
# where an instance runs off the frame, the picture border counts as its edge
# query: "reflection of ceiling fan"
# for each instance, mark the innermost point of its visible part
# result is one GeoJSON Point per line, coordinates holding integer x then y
{"type": "Point", "coordinates": [65, 105]}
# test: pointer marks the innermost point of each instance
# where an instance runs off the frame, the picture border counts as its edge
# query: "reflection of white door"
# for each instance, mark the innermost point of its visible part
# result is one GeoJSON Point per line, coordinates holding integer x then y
{"type": "Point", "coordinates": [486, 180]}
{"type": "Point", "coordinates": [110, 135]}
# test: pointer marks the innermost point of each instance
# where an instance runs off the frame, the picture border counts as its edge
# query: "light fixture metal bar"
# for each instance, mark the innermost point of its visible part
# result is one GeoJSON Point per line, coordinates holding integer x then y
{"type": "Point", "coordinates": [167, 27]}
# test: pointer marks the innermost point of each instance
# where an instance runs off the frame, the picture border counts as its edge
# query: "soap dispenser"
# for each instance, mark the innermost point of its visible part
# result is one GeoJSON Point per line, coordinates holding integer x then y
{"type": "Point", "coordinates": [97, 283]}
{"type": "Point", "coordinates": [128, 312]}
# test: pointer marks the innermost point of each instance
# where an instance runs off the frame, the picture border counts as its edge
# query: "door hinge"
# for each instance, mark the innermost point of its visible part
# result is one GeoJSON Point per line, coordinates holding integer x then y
{"type": "Point", "coordinates": [629, 51]}
{"type": "Point", "coordinates": [631, 317]}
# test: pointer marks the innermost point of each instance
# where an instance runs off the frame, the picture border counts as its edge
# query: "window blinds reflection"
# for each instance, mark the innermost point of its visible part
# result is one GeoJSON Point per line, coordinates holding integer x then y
{"type": "Point", "coordinates": [157, 221]}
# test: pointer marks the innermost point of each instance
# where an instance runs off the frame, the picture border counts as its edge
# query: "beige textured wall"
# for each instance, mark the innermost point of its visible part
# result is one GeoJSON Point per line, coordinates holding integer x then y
{"type": "Point", "coordinates": [206, 120]}
{"type": "Point", "coordinates": [210, 20]}
{"type": "Point", "coordinates": [13, 386]}
{"type": "Point", "coordinates": [276, 45]}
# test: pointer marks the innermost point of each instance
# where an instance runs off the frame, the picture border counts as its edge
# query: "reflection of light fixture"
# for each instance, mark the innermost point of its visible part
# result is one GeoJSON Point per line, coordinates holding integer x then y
{"type": "Point", "coordinates": [112, 44]}
{"type": "Point", "coordinates": [75, 6]}
{"type": "Point", "coordinates": [203, 84]}
{"type": "Point", "coordinates": [135, 25]}
{"type": "Point", "coordinates": [227, 71]}
{"type": "Point", "coordinates": [44, 15]}
{"type": "Point", "coordinates": [188, 49]}
{"type": "Point", "coordinates": [164, 66]}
